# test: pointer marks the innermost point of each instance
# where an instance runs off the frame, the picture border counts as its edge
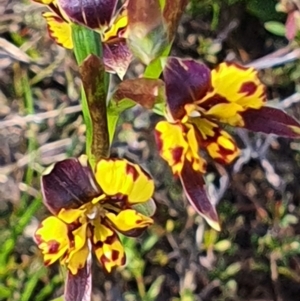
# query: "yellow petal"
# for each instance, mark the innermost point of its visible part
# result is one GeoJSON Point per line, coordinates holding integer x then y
{"type": "Point", "coordinates": [143, 187]}
{"type": "Point", "coordinates": [227, 113]}
{"type": "Point", "coordinates": [222, 147]}
{"type": "Point", "coordinates": [46, 2]}
{"type": "Point", "coordinates": [205, 127]}
{"type": "Point", "coordinates": [59, 30]}
{"type": "Point", "coordinates": [101, 232]}
{"type": "Point", "coordinates": [52, 238]}
{"type": "Point", "coordinates": [218, 143]}
{"type": "Point", "coordinates": [117, 177]}
{"type": "Point", "coordinates": [178, 143]}
{"type": "Point", "coordinates": [110, 254]}
{"type": "Point", "coordinates": [71, 215]}
{"type": "Point", "coordinates": [78, 259]}
{"type": "Point", "coordinates": [79, 253]}
{"type": "Point", "coordinates": [119, 25]}
{"type": "Point", "coordinates": [235, 84]}
{"type": "Point", "coordinates": [128, 220]}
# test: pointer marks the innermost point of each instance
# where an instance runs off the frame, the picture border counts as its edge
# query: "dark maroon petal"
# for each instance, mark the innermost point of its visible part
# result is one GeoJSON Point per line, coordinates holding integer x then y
{"type": "Point", "coordinates": [117, 57]}
{"type": "Point", "coordinates": [68, 185]}
{"type": "Point", "coordinates": [271, 121]}
{"type": "Point", "coordinates": [79, 287]}
{"type": "Point", "coordinates": [92, 13]}
{"type": "Point", "coordinates": [186, 81]}
{"type": "Point", "coordinates": [194, 187]}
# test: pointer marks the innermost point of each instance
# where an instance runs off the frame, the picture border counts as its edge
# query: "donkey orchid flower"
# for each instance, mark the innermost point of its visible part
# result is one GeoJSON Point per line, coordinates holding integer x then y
{"type": "Point", "coordinates": [89, 209]}
{"type": "Point", "coordinates": [199, 101]}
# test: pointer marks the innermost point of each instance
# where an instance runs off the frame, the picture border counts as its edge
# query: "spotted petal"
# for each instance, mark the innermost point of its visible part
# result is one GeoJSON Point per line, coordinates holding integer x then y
{"type": "Point", "coordinates": [59, 30]}
{"type": "Point", "coordinates": [94, 14]}
{"type": "Point", "coordinates": [110, 253]}
{"type": "Point", "coordinates": [271, 121]}
{"type": "Point", "coordinates": [177, 143]}
{"type": "Point", "coordinates": [77, 257]}
{"type": "Point", "coordinates": [68, 184]}
{"type": "Point", "coordinates": [186, 82]}
{"type": "Point", "coordinates": [53, 246]}
{"type": "Point", "coordinates": [117, 177]}
{"type": "Point", "coordinates": [101, 232]}
{"type": "Point", "coordinates": [218, 143]}
{"type": "Point", "coordinates": [194, 188]}
{"type": "Point", "coordinates": [235, 89]}
{"type": "Point", "coordinates": [129, 222]}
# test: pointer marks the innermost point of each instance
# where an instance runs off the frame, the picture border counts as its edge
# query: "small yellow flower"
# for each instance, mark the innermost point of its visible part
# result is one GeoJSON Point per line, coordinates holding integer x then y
{"type": "Point", "coordinates": [89, 209]}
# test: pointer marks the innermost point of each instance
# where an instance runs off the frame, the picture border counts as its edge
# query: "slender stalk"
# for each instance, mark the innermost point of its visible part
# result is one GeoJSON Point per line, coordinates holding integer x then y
{"type": "Point", "coordinates": [88, 42]}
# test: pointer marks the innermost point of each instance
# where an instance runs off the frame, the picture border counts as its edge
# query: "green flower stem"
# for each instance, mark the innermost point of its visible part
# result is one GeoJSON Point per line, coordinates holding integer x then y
{"type": "Point", "coordinates": [87, 42]}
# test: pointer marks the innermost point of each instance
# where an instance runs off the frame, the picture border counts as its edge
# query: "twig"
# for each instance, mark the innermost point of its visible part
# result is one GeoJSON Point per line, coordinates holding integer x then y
{"type": "Point", "coordinates": [41, 153]}
{"type": "Point", "coordinates": [38, 118]}
{"type": "Point", "coordinates": [287, 102]}
{"type": "Point", "coordinates": [271, 60]}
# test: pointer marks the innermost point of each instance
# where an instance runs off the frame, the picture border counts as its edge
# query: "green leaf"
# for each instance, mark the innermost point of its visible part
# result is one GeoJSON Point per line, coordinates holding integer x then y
{"type": "Point", "coordinates": [222, 245]}
{"type": "Point", "coordinates": [147, 208]}
{"type": "Point", "coordinates": [160, 108]}
{"type": "Point", "coordinates": [149, 243]}
{"type": "Point", "coordinates": [4, 292]}
{"type": "Point", "coordinates": [114, 109]}
{"type": "Point", "coordinates": [155, 68]}
{"type": "Point", "coordinates": [232, 270]}
{"type": "Point", "coordinates": [155, 288]}
{"type": "Point", "coordinates": [276, 28]}
{"type": "Point", "coordinates": [86, 42]}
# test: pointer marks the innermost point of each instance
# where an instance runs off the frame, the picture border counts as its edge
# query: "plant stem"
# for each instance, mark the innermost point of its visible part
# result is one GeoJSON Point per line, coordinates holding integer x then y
{"type": "Point", "coordinates": [88, 42]}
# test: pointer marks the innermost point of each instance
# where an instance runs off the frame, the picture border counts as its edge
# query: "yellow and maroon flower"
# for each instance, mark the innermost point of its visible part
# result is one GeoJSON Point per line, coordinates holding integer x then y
{"type": "Point", "coordinates": [199, 101]}
{"type": "Point", "coordinates": [89, 209]}
{"type": "Point", "coordinates": [101, 16]}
